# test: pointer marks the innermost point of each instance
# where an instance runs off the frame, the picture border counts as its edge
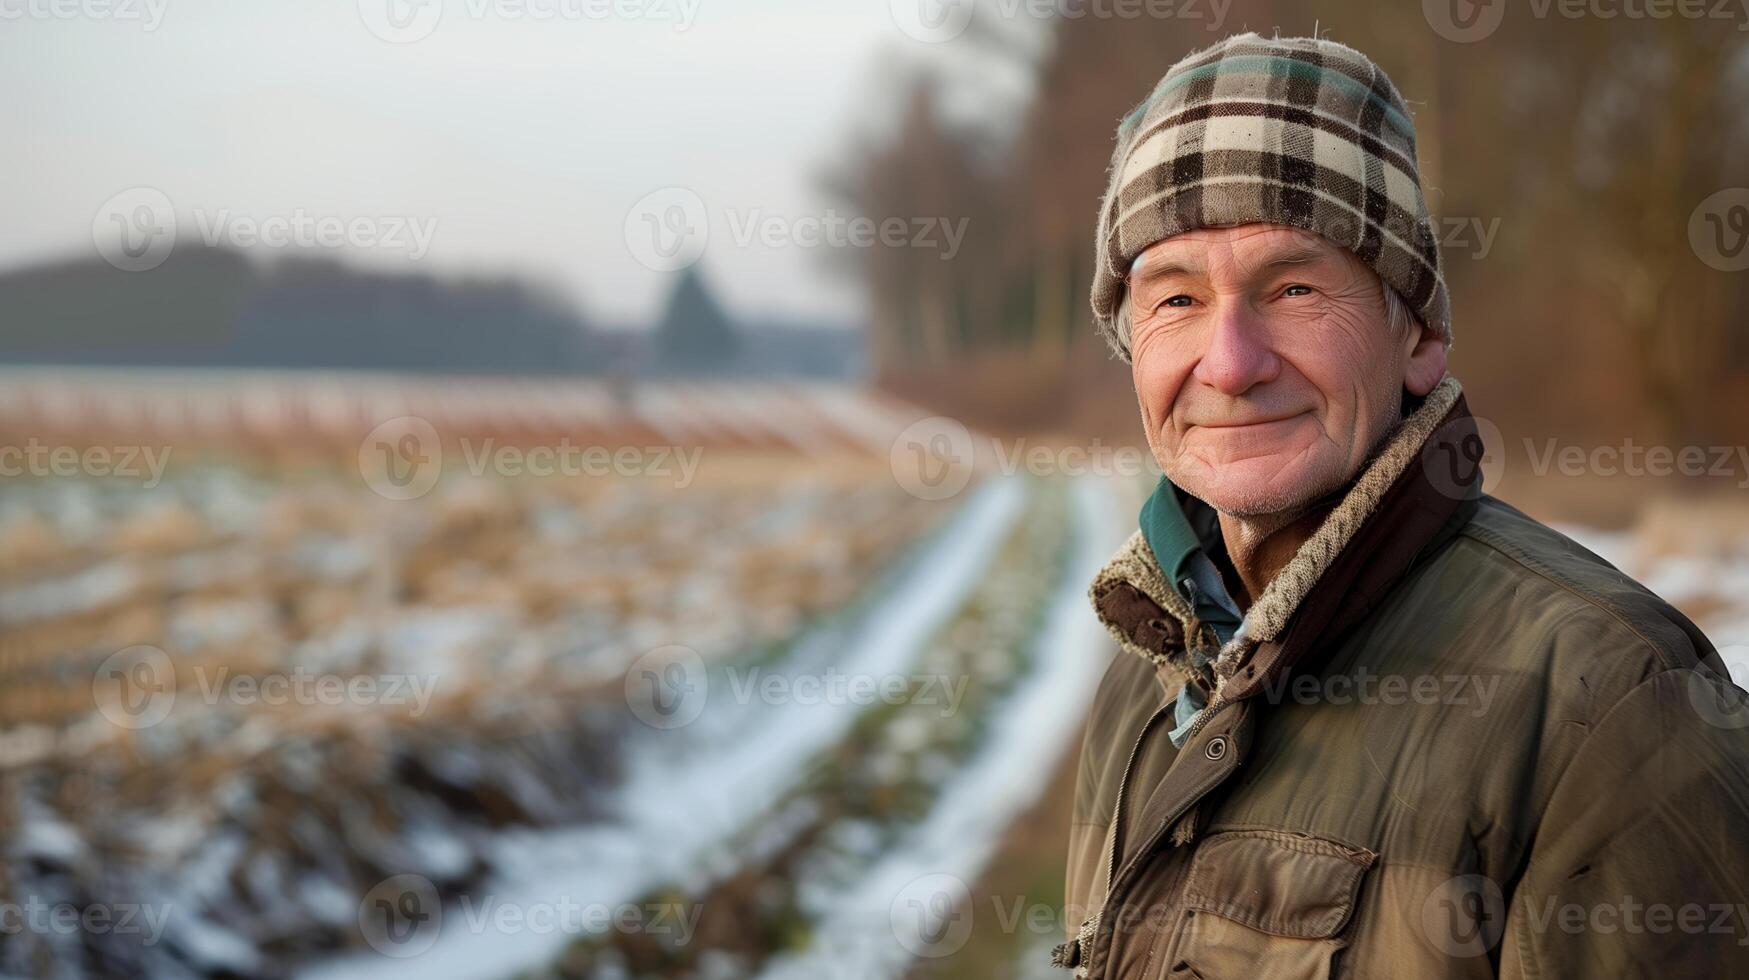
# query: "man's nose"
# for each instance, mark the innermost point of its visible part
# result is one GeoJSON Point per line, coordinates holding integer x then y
{"type": "Point", "coordinates": [1238, 356]}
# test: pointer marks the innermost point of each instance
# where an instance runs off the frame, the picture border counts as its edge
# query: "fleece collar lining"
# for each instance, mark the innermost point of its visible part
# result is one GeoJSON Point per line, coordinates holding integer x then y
{"type": "Point", "coordinates": [1135, 565]}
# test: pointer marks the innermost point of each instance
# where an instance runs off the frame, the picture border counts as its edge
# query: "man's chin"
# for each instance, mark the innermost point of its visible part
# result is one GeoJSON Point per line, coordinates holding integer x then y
{"type": "Point", "coordinates": [1260, 487]}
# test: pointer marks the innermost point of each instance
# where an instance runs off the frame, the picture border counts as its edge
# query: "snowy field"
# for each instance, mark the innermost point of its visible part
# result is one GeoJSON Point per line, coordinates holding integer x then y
{"type": "Point", "coordinates": [691, 792]}
{"type": "Point", "coordinates": [297, 728]}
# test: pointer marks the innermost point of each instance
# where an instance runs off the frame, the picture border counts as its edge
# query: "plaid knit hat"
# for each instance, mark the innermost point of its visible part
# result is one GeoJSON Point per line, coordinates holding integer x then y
{"type": "Point", "coordinates": [1291, 131]}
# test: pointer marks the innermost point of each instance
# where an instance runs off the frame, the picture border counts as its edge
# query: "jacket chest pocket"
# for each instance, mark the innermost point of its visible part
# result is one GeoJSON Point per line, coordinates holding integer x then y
{"type": "Point", "coordinates": [1265, 905]}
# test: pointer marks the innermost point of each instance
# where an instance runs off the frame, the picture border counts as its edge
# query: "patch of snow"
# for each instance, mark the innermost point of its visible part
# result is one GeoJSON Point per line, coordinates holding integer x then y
{"type": "Point", "coordinates": [44, 838]}
{"type": "Point", "coordinates": [689, 789]}
{"type": "Point", "coordinates": [854, 936]}
{"type": "Point", "coordinates": [438, 640]}
{"type": "Point", "coordinates": [1615, 547]}
{"type": "Point", "coordinates": [212, 947]}
{"type": "Point", "coordinates": [78, 592]}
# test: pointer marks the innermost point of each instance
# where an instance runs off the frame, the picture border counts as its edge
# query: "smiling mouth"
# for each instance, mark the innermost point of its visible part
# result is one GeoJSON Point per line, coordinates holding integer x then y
{"type": "Point", "coordinates": [1247, 424]}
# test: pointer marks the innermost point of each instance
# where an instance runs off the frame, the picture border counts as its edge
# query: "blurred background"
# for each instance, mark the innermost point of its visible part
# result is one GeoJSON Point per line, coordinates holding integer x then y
{"type": "Point", "coordinates": [606, 488]}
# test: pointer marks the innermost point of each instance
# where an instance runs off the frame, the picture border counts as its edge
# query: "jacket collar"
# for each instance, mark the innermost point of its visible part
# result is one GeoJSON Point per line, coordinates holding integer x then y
{"type": "Point", "coordinates": [1390, 513]}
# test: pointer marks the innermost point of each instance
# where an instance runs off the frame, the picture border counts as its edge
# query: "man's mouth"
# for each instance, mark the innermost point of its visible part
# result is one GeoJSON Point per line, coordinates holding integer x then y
{"type": "Point", "coordinates": [1245, 423]}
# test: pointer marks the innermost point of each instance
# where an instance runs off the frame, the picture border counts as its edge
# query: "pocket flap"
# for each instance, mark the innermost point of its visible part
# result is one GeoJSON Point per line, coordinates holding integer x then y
{"type": "Point", "coordinates": [1276, 882]}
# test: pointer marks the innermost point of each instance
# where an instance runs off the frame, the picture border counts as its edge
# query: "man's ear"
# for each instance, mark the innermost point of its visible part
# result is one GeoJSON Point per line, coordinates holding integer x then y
{"type": "Point", "coordinates": [1426, 361]}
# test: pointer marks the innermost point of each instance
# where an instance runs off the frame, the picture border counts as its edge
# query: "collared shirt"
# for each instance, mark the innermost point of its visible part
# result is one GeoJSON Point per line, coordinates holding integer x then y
{"type": "Point", "coordinates": [1179, 551]}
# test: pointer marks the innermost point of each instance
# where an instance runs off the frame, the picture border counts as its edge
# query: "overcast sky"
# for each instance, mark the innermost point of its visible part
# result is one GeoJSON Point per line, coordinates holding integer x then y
{"type": "Point", "coordinates": [519, 144]}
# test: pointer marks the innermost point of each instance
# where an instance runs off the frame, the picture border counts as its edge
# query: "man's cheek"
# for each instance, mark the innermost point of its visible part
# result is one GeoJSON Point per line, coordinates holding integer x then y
{"type": "Point", "coordinates": [1149, 403]}
{"type": "Point", "coordinates": [1147, 411]}
{"type": "Point", "coordinates": [1154, 392]}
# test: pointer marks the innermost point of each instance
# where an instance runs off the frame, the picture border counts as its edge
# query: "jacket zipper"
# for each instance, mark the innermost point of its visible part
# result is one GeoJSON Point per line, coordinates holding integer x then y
{"type": "Point", "coordinates": [1090, 929]}
{"type": "Point", "coordinates": [1077, 950]}
{"type": "Point", "coordinates": [1074, 952]}
{"type": "Point", "coordinates": [1123, 783]}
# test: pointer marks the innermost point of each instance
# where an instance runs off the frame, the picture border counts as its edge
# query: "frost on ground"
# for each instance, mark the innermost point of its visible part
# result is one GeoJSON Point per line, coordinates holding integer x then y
{"type": "Point", "coordinates": [873, 928]}
{"type": "Point", "coordinates": [1696, 556]}
{"type": "Point", "coordinates": [488, 622]}
{"type": "Point", "coordinates": [688, 790]}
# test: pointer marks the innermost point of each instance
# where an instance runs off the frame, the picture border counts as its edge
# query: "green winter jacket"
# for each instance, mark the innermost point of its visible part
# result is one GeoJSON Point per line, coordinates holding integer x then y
{"type": "Point", "coordinates": [1449, 742]}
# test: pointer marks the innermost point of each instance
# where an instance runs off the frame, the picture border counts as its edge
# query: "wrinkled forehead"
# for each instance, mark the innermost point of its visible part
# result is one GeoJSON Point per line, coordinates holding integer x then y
{"type": "Point", "coordinates": [1243, 247]}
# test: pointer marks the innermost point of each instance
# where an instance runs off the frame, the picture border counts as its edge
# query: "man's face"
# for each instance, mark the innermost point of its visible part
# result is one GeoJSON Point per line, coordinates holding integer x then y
{"type": "Point", "coordinates": [1264, 366]}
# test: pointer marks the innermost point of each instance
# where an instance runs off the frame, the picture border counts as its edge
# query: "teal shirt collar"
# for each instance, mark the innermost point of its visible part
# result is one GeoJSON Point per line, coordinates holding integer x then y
{"type": "Point", "coordinates": [1184, 560]}
{"type": "Point", "coordinates": [1168, 532]}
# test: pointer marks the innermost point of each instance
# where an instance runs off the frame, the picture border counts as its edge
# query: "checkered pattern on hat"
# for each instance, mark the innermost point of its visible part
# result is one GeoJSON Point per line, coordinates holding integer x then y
{"type": "Point", "coordinates": [1302, 132]}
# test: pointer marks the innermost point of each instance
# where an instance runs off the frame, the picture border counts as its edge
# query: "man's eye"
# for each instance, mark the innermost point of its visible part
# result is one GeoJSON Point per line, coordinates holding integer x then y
{"type": "Point", "coordinates": [1297, 289]}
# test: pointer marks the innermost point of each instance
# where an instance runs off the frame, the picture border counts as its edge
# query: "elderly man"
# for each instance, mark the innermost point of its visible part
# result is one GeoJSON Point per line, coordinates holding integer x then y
{"type": "Point", "coordinates": [1366, 721]}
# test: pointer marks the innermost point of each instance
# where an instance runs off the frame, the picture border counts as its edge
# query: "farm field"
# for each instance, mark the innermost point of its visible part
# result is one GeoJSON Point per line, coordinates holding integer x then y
{"type": "Point", "coordinates": [259, 695]}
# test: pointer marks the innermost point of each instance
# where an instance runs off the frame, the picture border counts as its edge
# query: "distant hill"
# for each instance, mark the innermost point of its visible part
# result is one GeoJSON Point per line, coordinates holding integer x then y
{"type": "Point", "coordinates": [212, 307]}
{"type": "Point", "coordinates": [208, 307]}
